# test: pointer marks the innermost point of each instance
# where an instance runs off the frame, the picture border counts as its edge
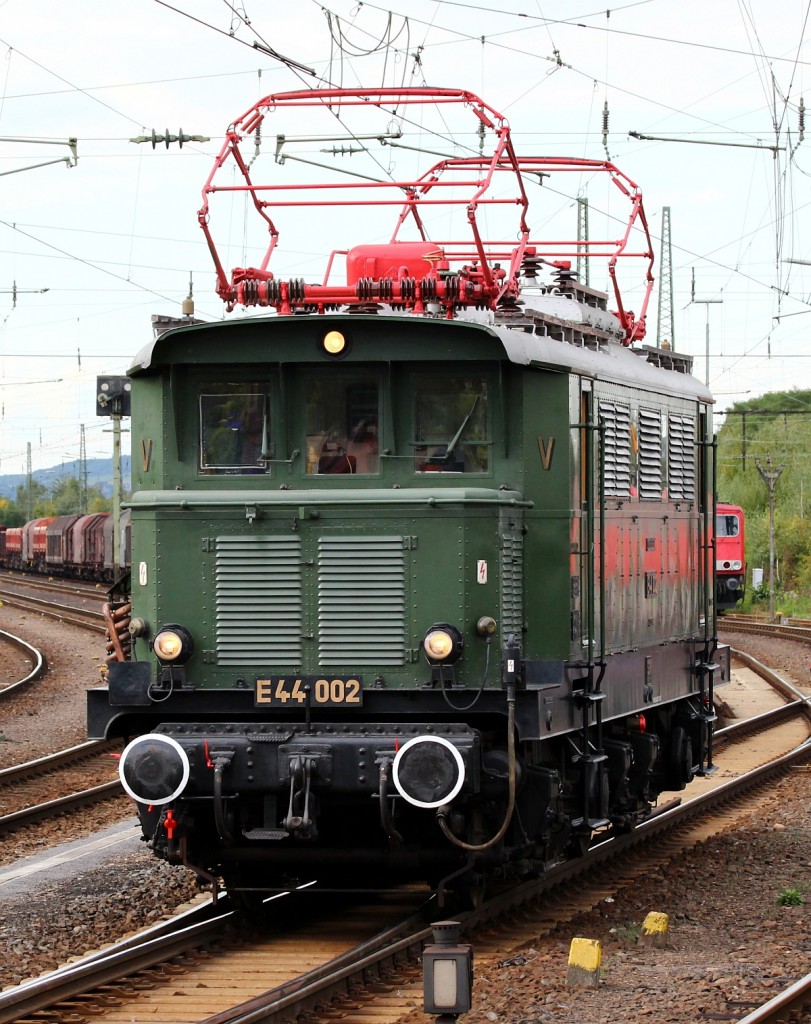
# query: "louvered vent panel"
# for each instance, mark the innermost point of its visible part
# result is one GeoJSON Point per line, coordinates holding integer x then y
{"type": "Point", "coordinates": [681, 459]}
{"type": "Point", "coordinates": [361, 601]}
{"type": "Point", "coordinates": [512, 585]}
{"type": "Point", "coordinates": [616, 420]}
{"type": "Point", "coordinates": [258, 600]}
{"type": "Point", "coordinates": [650, 455]}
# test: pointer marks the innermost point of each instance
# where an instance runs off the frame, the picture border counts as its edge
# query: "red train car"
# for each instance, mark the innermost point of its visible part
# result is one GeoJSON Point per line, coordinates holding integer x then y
{"type": "Point", "coordinates": [14, 547]}
{"type": "Point", "coordinates": [730, 557]}
{"type": "Point", "coordinates": [57, 541]}
{"type": "Point", "coordinates": [85, 556]}
{"type": "Point", "coordinates": [78, 545]}
{"type": "Point", "coordinates": [34, 543]}
{"type": "Point", "coordinates": [110, 568]}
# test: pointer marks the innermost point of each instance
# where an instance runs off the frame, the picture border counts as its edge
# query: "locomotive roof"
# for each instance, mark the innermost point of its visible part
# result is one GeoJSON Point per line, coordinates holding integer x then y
{"type": "Point", "coordinates": [646, 368]}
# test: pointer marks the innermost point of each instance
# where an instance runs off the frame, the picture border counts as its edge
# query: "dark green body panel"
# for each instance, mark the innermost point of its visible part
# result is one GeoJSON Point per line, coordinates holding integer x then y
{"type": "Point", "coordinates": [525, 519]}
{"type": "Point", "coordinates": [441, 537]}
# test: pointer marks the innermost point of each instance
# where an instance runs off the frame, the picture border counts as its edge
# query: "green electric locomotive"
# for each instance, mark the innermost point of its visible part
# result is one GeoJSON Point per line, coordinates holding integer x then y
{"type": "Point", "coordinates": [422, 581]}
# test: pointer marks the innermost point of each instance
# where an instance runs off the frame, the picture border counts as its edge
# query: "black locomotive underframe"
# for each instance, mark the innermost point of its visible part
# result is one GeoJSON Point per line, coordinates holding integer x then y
{"type": "Point", "coordinates": [548, 704]}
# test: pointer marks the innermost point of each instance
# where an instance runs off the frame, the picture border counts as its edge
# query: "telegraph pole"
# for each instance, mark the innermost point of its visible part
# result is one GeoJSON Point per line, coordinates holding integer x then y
{"type": "Point", "coordinates": [583, 261]}
{"type": "Point", "coordinates": [704, 302]}
{"type": "Point", "coordinates": [29, 484]}
{"type": "Point", "coordinates": [770, 477]}
{"type": "Point", "coordinates": [665, 325]}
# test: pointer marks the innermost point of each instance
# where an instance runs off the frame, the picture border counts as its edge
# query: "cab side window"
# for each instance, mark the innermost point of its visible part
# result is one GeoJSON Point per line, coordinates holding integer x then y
{"type": "Point", "coordinates": [342, 420]}
{"type": "Point", "coordinates": [234, 430]}
{"type": "Point", "coordinates": [726, 526]}
{"type": "Point", "coordinates": [451, 425]}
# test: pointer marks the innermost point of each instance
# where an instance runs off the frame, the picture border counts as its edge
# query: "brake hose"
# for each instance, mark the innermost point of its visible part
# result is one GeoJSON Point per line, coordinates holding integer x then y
{"type": "Point", "coordinates": [442, 812]}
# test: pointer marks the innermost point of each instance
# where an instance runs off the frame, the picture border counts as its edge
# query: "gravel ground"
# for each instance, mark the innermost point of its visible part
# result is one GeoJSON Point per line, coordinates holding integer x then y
{"type": "Point", "coordinates": [731, 943]}
{"type": "Point", "coordinates": [92, 908]}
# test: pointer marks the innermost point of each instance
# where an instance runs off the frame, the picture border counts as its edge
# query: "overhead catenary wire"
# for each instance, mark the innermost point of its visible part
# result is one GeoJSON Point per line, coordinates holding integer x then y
{"type": "Point", "coordinates": [427, 50]}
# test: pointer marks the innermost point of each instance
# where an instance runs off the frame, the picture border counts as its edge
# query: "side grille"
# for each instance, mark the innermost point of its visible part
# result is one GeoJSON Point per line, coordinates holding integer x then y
{"type": "Point", "coordinates": [681, 457]}
{"type": "Point", "coordinates": [650, 454]}
{"type": "Point", "coordinates": [512, 581]}
{"type": "Point", "coordinates": [258, 608]}
{"type": "Point", "coordinates": [616, 421]}
{"type": "Point", "coordinates": [361, 601]}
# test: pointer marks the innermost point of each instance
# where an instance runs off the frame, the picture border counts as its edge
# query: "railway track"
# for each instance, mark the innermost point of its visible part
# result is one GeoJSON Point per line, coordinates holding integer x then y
{"type": "Point", "coordinates": [51, 584]}
{"type": "Point", "coordinates": [204, 967]}
{"type": "Point", "coordinates": [789, 1005]}
{"type": "Point", "coordinates": [798, 629]}
{"type": "Point", "coordinates": [352, 995]}
{"type": "Point", "coordinates": [80, 776]}
{"type": "Point", "coordinates": [76, 612]}
{"type": "Point", "coordinates": [209, 972]}
{"type": "Point", "coordinates": [33, 659]}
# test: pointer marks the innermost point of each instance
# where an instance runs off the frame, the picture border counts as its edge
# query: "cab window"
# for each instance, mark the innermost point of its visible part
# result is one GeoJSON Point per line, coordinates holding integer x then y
{"type": "Point", "coordinates": [451, 425]}
{"type": "Point", "coordinates": [726, 525]}
{"type": "Point", "coordinates": [234, 430]}
{"type": "Point", "coordinates": [342, 418]}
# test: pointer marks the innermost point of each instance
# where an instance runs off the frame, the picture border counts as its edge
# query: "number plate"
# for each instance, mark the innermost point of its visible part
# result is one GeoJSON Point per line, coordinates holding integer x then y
{"type": "Point", "coordinates": [317, 691]}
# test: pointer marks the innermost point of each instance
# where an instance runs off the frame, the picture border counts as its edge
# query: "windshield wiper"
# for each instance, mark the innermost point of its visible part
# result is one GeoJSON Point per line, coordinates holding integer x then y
{"type": "Point", "coordinates": [443, 458]}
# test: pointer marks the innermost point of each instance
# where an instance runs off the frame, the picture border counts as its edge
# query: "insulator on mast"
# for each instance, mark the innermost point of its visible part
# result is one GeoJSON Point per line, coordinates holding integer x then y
{"type": "Point", "coordinates": [188, 303]}
{"type": "Point", "coordinates": [802, 119]}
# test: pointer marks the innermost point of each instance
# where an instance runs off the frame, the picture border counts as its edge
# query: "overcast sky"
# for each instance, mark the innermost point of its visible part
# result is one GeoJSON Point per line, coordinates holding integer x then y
{"type": "Point", "coordinates": [115, 238]}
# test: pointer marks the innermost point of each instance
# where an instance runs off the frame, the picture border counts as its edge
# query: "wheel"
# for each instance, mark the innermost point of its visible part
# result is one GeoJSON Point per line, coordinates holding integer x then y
{"type": "Point", "coordinates": [246, 900]}
{"type": "Point", "coordinates": [579, 844]}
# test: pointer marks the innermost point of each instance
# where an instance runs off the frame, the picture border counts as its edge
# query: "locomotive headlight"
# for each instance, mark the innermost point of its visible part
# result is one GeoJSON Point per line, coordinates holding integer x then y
{"type": "Point", "coordinates": [154, 769]}
{"type": "Point", "coordinates": [736, 565]}
{"type": "Point", "coordinates": [335, 343]}
{"type": "Point", "coordinates": [173, 645]}
{"type": "Point", "coordinates": [428, 771]}
{"type": "Point", "coordinates": [442, 644]}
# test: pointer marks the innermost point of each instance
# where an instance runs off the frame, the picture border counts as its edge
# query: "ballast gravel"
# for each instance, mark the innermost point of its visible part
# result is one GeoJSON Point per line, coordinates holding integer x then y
{"type": "Point", "coordinates": [737, 904]}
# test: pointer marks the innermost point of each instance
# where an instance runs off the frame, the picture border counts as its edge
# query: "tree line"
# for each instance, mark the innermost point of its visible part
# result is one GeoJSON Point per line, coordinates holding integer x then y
{"type": "Point", "coordinates": [63, 498]}
{"type": "Point", "coordinates": [773, 430]}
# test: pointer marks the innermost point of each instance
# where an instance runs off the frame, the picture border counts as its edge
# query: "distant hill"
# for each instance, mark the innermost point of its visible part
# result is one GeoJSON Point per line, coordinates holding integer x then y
{"type": "Point", "coordinates": [99, 474]}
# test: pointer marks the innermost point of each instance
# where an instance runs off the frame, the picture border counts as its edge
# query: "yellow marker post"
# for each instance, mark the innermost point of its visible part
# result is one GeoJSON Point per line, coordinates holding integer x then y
{"type": "Point", "coordinates": [585, 957]}
{"type": "Point", "coordinates": [655, 929]}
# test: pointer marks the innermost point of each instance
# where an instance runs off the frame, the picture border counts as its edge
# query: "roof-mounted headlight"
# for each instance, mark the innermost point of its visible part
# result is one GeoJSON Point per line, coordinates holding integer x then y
{"type": "Point", "coordinates": [173, 645]}
{"type": "Point", "coordinates": [442, 644]}
{"type": "Point", "coordinates": [336, 344]}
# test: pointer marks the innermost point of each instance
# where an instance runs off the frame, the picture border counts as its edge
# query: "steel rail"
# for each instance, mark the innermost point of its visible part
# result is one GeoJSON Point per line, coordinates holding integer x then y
{"type": "Point", "coordinates": [76, 979]}
{"type": "Point", "coordinates": [337, 977]}
{"type": "Point", "coordinates": [783, 1006]}
{"type": "Point", "coordinates": [279, 1005]}
{"type": "Point", "coordinates": [783, 686]}
{"type": "Point", "coordinates": [60, 805]}
{"type": "Point", "coordinates": [55, 611]}
{"type": "Point", "coordinates": [32, 652]}
{"type": "Point", "coordinates": [796, 702]}
{"type": "Point", "coordinates": [786, 631]}
{"type": "Point", "coordinates": [61, 585]}
{"type": "Point", "coordinates": [316, 988]}
{"type": "Point", "coordinates": [59, 759]}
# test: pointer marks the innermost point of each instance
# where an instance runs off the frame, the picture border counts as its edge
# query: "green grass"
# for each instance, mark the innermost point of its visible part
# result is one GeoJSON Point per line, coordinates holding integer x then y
{"type": "Point", "coordinates": [790, 898]}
